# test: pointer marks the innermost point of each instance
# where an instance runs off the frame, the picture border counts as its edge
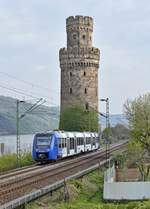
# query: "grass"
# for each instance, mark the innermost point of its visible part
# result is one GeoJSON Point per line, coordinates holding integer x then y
{"type": "Point", "coordinates": [9, 161]}
{"type": "Point", "coordinates": [86, 193]}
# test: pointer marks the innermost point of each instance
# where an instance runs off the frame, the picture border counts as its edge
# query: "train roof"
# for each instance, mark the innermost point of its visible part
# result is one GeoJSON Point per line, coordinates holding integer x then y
{"type": "Point", "coordinates": [67, 134]}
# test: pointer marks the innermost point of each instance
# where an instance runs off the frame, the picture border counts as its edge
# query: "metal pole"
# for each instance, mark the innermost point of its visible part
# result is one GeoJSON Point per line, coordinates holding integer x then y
{"type": "Point", "coordinates": [17, 135]}
{"type": "Point", "coordinates": [107, 129]}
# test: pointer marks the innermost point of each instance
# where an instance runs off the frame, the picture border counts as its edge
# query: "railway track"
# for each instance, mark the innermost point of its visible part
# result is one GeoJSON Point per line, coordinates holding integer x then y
{"type": "Point", "coordinates": [28, 180]}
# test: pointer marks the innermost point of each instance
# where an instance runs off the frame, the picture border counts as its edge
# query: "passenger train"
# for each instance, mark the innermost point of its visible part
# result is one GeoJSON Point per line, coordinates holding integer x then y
{"type": "Point", "coordinates": [53, 145]}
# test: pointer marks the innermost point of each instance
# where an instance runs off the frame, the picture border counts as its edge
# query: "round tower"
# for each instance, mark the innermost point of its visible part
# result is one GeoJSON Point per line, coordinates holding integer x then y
{"type": "Point", "coordinates": [79, 64]}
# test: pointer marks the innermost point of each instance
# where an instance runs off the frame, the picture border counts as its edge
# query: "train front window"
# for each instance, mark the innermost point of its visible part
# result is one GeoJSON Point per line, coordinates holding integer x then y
{"type": "Point", "coordinates": [43, 141]}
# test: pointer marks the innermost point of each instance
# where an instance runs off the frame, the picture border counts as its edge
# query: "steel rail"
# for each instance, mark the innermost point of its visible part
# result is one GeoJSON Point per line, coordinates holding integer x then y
{"type": "Point", "coordinates": [24, 184]}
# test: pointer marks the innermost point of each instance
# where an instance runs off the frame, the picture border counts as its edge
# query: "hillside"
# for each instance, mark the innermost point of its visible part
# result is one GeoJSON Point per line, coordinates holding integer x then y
{"type": "Point", "coordinates": [42, 119]}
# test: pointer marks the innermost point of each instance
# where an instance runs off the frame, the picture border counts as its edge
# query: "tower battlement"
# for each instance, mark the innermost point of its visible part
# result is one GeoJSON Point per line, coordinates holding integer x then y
{"type": "Point", "coordinates": [79, 21]}
{"type": "Point", "coordinates": [79, 31]}
{"type": "Point", "coordinates": [79, 57]}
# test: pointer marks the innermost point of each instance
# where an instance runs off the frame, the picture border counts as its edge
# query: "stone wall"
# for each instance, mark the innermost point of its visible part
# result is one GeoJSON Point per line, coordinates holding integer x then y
{"type": "Point", "coordinates": [79, 64]}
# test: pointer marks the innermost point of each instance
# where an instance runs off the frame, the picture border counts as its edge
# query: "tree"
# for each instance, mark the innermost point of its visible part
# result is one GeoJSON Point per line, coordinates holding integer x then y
{"type": "Point", "coordinates": [77, 118]}
{"type": "Point", "coordinates": [119, 132]}
{"type": "Point", "coordinates": [138, 114]}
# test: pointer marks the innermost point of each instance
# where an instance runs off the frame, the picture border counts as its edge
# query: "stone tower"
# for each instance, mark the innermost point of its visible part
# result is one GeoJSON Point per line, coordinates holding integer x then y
{"type": "Point", "coordinates": [79, 64]}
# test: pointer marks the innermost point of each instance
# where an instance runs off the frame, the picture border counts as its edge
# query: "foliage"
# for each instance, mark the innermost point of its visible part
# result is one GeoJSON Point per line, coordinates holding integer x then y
{"type": "Point", "coordinates": [78, 119]}
{"type": "Point", "coordinates": [119, 159]}
{"type": "Point", "coordinates": [138, 114]}
{"type": "Point", "coordinates": [89, 195]}
{"type": "Point", "coordinates": [8, 162]}
{"type": "Point", "coordinates": [119, 132]}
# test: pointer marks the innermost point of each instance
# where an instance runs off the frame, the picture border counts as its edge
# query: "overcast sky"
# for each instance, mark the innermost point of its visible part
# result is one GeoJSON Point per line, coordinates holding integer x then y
{"type": "Point", "coordinates": [33, 31]}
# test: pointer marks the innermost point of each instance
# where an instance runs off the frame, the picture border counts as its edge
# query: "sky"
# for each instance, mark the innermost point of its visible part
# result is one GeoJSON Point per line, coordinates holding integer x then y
{"type": "Point", "coordinates": [33, 31]}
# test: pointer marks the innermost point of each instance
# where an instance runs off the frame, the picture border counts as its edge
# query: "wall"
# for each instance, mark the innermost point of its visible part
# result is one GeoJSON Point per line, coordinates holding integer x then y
{"type": "Point", "coordinates": [124, 190]}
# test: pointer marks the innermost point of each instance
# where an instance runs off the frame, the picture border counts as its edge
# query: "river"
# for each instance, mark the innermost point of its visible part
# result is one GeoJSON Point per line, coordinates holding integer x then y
{"type": "Point", "coordinates": [10, 143]}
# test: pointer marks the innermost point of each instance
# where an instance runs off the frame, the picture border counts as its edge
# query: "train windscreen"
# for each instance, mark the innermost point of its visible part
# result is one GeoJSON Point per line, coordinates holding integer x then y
{"type": "Point", "coordinates": [43, 141]}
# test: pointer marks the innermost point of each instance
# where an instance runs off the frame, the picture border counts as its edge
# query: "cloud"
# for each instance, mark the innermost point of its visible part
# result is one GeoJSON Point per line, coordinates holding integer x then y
{"type": "Point", "coordinates": [32, 32]}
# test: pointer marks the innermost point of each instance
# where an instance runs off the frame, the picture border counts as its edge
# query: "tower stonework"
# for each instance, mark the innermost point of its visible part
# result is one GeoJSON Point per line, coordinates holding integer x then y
{"type": "Point", "coordinates": [79, 64]}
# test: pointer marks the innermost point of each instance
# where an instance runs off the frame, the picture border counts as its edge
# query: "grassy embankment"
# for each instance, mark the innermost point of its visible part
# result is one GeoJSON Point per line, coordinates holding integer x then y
{"type": "Point", "coordinates": [83, 194]}
{"type": "Point", "coordinates": [8, 162]}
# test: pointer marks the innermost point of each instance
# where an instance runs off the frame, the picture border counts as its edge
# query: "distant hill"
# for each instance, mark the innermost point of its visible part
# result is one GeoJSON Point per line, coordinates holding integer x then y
{"type": "Point", "coordinates": [41, 119]}
{"type": "Point", "coordinates": [114, 120]}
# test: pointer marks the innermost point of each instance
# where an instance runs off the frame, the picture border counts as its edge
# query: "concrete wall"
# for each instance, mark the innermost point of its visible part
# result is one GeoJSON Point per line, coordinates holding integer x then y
{"type": "Point", "coordinates": [124, 190]}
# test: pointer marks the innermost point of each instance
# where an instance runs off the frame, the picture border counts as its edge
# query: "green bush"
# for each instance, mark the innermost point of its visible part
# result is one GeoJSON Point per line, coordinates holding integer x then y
{"type": "Point", "coordinates": [9, 161]}
{"type": "Point", "coordinates": [78, 119]}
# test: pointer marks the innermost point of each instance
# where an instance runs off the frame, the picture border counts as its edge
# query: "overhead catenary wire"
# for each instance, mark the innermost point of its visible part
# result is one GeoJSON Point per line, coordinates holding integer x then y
{"type": "Point", "coordinates": [18, 91]}
{"type": "Point", "coordinates": [37, 95]}
{"type": "Point", "coordinates": [28, 83]}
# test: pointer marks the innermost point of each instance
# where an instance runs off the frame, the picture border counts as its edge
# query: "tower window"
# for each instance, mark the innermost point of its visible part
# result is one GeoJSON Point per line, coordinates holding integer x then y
{"type": "Point", "coordinates": [70, 73]}
{"type": "Point", "coordinates": [70, 90]}
{"type": "Point", "coordinates": [74, 36]}
{"type": "Point", "coordinates": [84, 73]}
{"type": "Point", "coordinates": [87, 106]}
{"type": "Point", "coordinates": [85, 90]}
{"type": "Point", "coordinates": [83, 36]}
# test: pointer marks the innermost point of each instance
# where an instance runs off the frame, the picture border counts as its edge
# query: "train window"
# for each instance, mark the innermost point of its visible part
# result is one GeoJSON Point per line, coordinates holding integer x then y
{"type": "Point", "coordinates": [71, 143]}
{"type": "Point", "coordinates": [59, 143]}
{"type": "Point", "coordinates": [77, 141]}
{"type": "Point", "coordinates": [88, 140]}
{"type": "Point", "coordinates": [80, 141]}
{"type": "Point", "coordinates": [62, 145]}
{"type": "Point", "coordinates": [43, 140]}
{"type": "Point", "coordinates": [65, 142]}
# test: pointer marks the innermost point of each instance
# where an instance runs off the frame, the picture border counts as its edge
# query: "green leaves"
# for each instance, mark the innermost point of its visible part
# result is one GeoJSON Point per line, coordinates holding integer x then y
{"type": "Point", "coordinates": [78, 119]}
{"type": "Point", "coordinates": [138, 114]}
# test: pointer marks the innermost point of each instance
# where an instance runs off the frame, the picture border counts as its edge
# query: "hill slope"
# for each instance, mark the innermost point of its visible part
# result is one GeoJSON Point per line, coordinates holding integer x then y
{"type": "Point", "coordinates": [41, 119]}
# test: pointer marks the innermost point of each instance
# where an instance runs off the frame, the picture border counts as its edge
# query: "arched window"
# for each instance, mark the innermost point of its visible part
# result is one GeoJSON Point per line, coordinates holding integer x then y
{"type": "Point", "coordinates": [70, 90]}
{"type": "Point", "coordinates": [83, 36]}
{"type": "Point", "coordinates": [84, 73]}
{"type": "Point", "coordinates": [70, 73]}
{"type": "Point", "coordinates": [85, 90]}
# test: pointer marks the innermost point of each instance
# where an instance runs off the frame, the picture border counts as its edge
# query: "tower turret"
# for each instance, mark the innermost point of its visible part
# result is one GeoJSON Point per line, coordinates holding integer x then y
{"type": "Point", "coordinates": [79, 64]}
{"type": "Point", "coordinates": [79, 31]}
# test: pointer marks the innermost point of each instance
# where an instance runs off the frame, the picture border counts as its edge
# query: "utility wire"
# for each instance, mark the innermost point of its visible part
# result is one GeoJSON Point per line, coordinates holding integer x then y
{"type": "Point", "coordinates": [25, 94]}
{"type": "Point", "coordinates": [26, 82]}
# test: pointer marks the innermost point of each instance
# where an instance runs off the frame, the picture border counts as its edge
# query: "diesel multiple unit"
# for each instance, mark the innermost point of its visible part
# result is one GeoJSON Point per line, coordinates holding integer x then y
{"type": "Point", "coordinates": [53, 145]}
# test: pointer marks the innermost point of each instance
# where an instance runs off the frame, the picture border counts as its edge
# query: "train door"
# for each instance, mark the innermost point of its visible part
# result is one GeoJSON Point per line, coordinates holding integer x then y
{"type": "Point", "coordinates": [68, 146]}
{"type": "Point", "coordinates": [91, 142]}
{"type": "Point", "coordinates": [72, 146]}
{"type": "Point", "coordinates": [75, 145]}
{"type": "Point", "coordinates": [84, 142]}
